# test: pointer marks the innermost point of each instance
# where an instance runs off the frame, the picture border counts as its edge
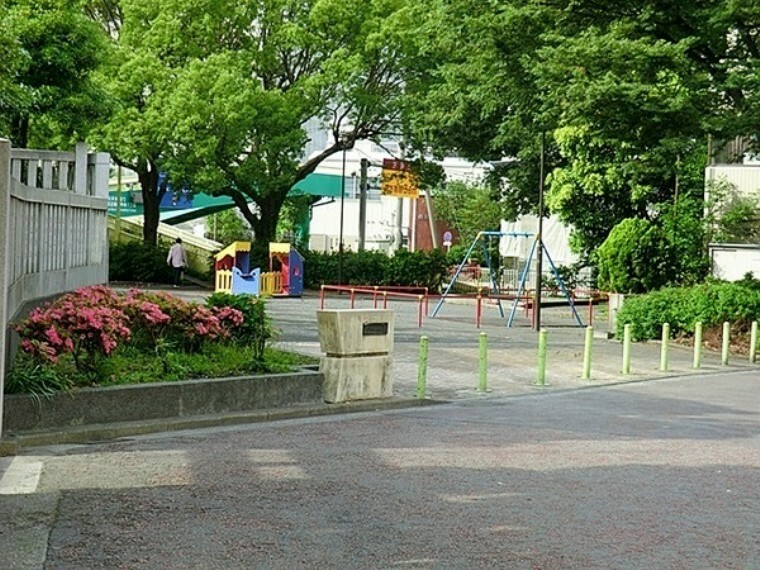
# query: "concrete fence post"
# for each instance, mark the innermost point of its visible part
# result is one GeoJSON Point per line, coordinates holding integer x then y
{"type": "Point", "coordinates": [726, 343]}
{"type": "Point", "coordinates": [422, 367]}
{"type": "Point", "coordinates": [697, 345]}
{"type": "Point", "coordinates": [664, 347]}
{"type": "Point", "coordinates": [587, 353]}
{"type": "Point", "coordinates": [541, 378]}
{"type": "Point", "coordinates": [627, 349]}
{"type": "Point", "coordinates": [482, 362]}
{"type": "Point", "coordinates": [753, 342]}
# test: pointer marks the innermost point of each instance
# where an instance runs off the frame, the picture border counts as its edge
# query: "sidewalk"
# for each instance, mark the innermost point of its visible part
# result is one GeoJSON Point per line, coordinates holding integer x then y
{"type": "Point", "coordinates": [512, 352]}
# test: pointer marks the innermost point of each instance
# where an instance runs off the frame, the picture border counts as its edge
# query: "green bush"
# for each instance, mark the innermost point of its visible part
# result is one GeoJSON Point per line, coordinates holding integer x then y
{"type": "Point", "coordinates": [636, 257]}
{"type": "Point", "coordinates": [422, 269]}
{"type": "Point", "coordinates": [256, 329]}
{"type": "Point", "coordinates": [709, 303]}
{"type": "Point", "coordinates": [138, 262]}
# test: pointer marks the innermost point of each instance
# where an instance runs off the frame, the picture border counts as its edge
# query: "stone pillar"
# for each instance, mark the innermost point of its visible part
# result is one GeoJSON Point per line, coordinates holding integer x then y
{"type": "Point", "coordinates": [358, 346]}
{"type": "Point", "coordinates": [5, 202]}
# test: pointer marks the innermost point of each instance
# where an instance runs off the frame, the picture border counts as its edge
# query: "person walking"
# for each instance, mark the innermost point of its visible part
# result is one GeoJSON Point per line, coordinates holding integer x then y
{"type": "Point", "coordinates": [177, 260]}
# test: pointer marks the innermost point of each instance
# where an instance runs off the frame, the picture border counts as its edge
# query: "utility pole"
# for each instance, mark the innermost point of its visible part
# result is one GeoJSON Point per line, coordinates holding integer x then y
{"type": "Point", "coordinates": [539, 240]}
{"type": "Point", "coordinates": [342, 205]}
{"type": "Point", "coordinates": [364, 165]}
{"type": "Point", "coordinates": [400, 206]}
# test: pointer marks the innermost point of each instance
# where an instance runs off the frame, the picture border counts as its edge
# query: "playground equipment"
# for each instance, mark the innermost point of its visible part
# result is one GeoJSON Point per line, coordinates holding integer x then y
{"type": "Point", "coordinates": [233, 273]}
{"type": "Point", "coordinates": [482, 238]}
{"type": "Point", "coordinates": [285, 275]}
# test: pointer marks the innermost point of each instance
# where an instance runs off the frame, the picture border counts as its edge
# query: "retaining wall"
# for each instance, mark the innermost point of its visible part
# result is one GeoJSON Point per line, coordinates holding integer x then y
{"type": "Point", "coordinates": [164, 400]}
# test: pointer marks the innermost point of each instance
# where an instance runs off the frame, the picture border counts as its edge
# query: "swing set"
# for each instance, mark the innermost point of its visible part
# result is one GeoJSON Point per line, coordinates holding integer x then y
{"type": "Point", "coordinates": [483, 238]}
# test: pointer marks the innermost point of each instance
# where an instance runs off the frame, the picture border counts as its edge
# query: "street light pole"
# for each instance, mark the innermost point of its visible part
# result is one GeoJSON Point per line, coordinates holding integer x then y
{"type": "Point", "coordinates": [539, 239]}
{"type": "Point", "coordinates": [342, 204]}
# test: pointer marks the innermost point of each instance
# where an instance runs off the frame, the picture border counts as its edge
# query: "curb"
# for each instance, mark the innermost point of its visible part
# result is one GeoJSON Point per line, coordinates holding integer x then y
{"type": "Point", "coordinates": [12, 444]}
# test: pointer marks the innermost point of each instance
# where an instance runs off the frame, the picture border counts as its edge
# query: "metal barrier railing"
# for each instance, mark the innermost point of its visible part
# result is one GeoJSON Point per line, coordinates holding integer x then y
{"type": "Point", "coordinates": [378, 292]}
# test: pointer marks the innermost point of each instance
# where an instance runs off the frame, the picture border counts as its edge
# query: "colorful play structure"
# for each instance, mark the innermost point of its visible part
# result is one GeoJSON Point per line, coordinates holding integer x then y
{"type": "Point", "coordinates": [234, 275]}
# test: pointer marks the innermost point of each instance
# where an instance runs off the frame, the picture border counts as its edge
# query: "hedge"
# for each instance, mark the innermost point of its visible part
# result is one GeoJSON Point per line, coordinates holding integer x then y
{"type": "Point", "coordinates": [710, 303]}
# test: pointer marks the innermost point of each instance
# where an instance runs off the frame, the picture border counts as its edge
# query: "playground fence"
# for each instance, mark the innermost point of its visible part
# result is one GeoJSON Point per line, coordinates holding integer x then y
{"type": "Point", "coordinates": [381, 293]}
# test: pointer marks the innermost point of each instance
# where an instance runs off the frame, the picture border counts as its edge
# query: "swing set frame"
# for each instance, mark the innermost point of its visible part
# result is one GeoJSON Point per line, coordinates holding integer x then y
{"type": "Point", "coordinates": [483, 238]}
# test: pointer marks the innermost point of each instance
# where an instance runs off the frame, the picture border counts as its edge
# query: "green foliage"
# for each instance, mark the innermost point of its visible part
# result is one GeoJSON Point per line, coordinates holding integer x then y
{"type": "Point", "coordinates": [710, 303]}
{"type": "Point", "coordinates": [734, 217]}
{"type": "Point", "coordinates": [48, 52]}
{"type": "Point", "coordinates": [137, 262]}
{"type": "Point", "coordinates": [468, 209]}
{"type": "Point", "coordinates": [257, 327]}
{"type": "Point", "coordinates": [29, 375]}
{"type": "Point", "coordinates": [635, 258]}
{"type": "Point", "coordinates": [421, 269]}
{"type": "Point", "coordinates": [226, 227]}
{"type": "Point", "coordinates": [216, 93]}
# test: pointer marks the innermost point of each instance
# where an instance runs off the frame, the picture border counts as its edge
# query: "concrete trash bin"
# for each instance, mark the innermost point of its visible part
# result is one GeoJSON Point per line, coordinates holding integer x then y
{"type": "Point", "coordinates": [358, 347]}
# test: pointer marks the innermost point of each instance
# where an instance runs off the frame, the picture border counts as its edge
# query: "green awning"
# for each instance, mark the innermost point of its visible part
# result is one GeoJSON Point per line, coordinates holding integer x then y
{"type": "Point", "coordinates": [318, 185]}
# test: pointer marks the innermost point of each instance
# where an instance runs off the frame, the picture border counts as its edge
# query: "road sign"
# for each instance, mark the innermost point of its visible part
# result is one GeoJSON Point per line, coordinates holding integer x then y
{"type": "Point", "coordinates": [447, 237]}
{"type": "Point", "coordinates": [397, 179]}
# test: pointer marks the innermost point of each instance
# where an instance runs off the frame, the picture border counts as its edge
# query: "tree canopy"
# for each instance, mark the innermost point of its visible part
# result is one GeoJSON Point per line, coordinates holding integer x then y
{"type": "Point", "coordinates": [48, 51]}
{"type": "Point", "coordinates": [623, 94]}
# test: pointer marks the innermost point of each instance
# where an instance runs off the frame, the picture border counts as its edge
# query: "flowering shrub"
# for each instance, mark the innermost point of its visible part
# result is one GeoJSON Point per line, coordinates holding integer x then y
{"type": "Point", "coordinates": [177, 322]}
{"type": "Point", "coordinates": [94, 321]}
{"type": "Point", "coordinates": [86, 323]}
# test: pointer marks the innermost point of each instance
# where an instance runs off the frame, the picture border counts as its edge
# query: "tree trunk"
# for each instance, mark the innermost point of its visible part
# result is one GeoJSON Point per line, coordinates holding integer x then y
{"type": "Point", "coordinates": [264, 226]}
{"type": "Point", "coordinates": [152, 195]}
{"type": "Point", "coordinates": [20, 131]}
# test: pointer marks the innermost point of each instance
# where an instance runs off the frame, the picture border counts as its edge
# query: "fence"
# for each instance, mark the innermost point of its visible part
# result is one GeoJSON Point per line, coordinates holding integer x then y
{"type": "Point", "coordinates": [53, 210]}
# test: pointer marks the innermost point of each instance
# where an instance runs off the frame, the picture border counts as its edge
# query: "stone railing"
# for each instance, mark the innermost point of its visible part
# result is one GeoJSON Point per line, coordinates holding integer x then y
{"type": "Point", "coordinates": [53, 212]}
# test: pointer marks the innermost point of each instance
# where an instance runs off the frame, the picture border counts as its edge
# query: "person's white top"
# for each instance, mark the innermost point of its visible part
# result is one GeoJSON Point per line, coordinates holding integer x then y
{"type": "Point", "coordinates": [176, 257]}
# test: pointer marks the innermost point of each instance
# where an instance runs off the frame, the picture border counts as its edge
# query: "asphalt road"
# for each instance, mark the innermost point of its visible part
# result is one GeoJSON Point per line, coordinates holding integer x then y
{"type": "Point", "coordinates": [660, 474]}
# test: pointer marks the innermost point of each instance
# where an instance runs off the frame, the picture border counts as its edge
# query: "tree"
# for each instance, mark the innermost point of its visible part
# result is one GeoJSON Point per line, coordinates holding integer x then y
{"type": "Point", "coordinates": [468, 209]}
{"type": "Point", "coordinates": [624, 95]}
{"type": "Point", "coordinates": [48, 52]}
{"type": "Point", "coordinates": [226, 227]}
{"type": "Point", "coordinates": [221, 108]}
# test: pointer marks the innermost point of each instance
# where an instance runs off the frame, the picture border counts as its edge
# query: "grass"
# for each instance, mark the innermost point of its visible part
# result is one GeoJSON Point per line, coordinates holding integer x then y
{"type": "Point", "coordinates": [128, 365]}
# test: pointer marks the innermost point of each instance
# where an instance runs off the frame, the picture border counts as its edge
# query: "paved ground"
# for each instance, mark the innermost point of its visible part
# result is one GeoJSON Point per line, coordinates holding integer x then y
{"type": "Point", "coordinates": [657, 474]}
{"type": "Point", "coordinates": [663, 474]}
{"type": "Point", "coordinates": [512, 355]}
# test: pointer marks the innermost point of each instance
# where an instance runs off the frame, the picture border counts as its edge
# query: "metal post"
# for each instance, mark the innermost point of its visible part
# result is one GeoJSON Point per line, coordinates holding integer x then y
{"type": "Point", "coordinates": [364, 164]}
{"type": "Point", "coordinates": [422, 367]}
{"type": "Point", "coordinates": [353, 298]}
{"type": "Point", "coordinates": [482, 362]}
{"type": "Point", "coordinates": [697, 345]}
{"type": "Point", "coordinates": [753, 342]}
{"type": "Point", "coordinates": [385, 300]}
{"type": "Point", "coordinates": [726, 343]}
{"type": "Point", "coordinates": [539, 239]}
{"type": "Point", "coordinates": [419, 310]}
{"type": "Point", "coordinates": [118, 205]}
{"type": "Point", "coordinates": [587, 353]}
{"type": "Point", "coordinates": [627, 349]}
{"type": "Point", "coordinates": [541, 379]}
{"type": "Point", "coordinates": [342, 207]}
{"type": "Point", "coordinates": [322, 297]}
{"type": "Point", "coordinates": [664, 347]}
{"type": "Point", "coordinates": [478, 310]}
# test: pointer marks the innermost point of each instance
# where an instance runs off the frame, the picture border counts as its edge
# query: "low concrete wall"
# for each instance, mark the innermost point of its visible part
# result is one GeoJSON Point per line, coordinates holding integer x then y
{"type": "Point", "coordinates": [161, 400]}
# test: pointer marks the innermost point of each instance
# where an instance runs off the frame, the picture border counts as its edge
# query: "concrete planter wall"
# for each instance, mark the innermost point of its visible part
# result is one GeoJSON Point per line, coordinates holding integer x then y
{"type": "Point", "coordinates": [161, 401]}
